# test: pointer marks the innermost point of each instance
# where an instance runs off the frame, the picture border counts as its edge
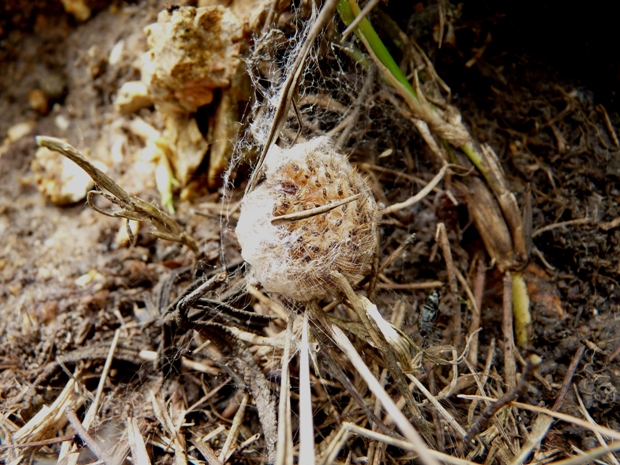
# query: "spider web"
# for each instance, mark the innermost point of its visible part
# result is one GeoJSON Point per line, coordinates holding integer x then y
{"type": "Point", "coordinates": [340, 95]}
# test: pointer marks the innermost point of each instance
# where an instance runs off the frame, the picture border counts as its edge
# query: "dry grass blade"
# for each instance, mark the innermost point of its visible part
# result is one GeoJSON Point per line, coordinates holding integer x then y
{"type": "Point", "coordinates": [70, 450]}
{"type": "Point", "coordinates": [589, 456]}
{"type": "Point", "coordinates": [234, 430]}
{"type": "Point", "coordinates": [285, 431]}
{"type": "Point", "coordinates": [449, 418]}
{"type": "Point", "coordinates": [537, 434]}
{"type": "Point", "coordinates": [392, 345]}
{"type": "Point", "coordinates": [503, 401]}
{"type": "Point", "coordinates": [313, 211]}
{"type": "Point", "coordinates": [476, 302]}
{"type": "Point", "coordinates": [92, 410]}
{"type": "Point", "coordinates": [48, 421]}
{"type": "Point", "coordinates": [306, 424]}
{"type": "Point", "coordinates": [206, 451]}
{"type": "Point", "coordinates": [139, 454]}
{"type": "Point", "coordinates": [560, 416]}
{"type": "Point", "coordinates": [346, 429]}
{"type": "Point", "coordinates": [588, 417]}
{"type": "Point", "coordinates": [388, 404]}
{"type": "Point", "coordinates": [420, 195]}
{"type": "Point", "coordinates": [176, 439]}
{"type": "Point", "coordinates": [367, 8]}
{"type": "Point", "coordinates": [289, 87]}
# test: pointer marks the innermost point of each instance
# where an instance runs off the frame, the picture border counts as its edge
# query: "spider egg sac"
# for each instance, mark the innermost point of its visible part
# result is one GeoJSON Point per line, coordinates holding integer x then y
{"type": "Point", "coordinates": [296, 258]}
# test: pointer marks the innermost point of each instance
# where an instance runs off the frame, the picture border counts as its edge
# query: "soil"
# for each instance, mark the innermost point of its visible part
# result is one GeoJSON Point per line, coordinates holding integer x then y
{"type": "Point", "coordinates": [67, 283]}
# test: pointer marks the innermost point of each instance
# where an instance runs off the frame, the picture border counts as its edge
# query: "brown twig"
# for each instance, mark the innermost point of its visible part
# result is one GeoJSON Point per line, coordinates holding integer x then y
{"type": "Point", "coordinates": [411, 286]}
{"type": "Point", "coordinates": [561, 224]}
{"type": "Point", "coordinates": [570, 372]}
{"type": "Point", "coordinates": [46, 442]}
{"type": "Point", "coordinates": [442, 238]}
{"type": "Point", "coordinates": [313, 211]}
{"type": "Point", "coordinates": [608, 125]}
{"type": "Point", "coordinates": [479, 282]}
{"type": "Point", "coordinates": [397, 253]}
{"type": "Point", "coordinates": [510, 368]}
{"type": "Point", "coordinates": [91, 443]}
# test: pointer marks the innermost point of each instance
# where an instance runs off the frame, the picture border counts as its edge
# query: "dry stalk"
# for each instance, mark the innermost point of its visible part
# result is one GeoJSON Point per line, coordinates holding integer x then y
{"type": "Point", "coordinates": [347, 429]}
{"type": "Point", "coordinates": [510, 365]}
{"type": "Point", "coordinates": [502, 402]}
{"type": "Point", "coordinates": [482, 383]}
{"type": "Point", "coordinates": [537, 434]}
{"type": "Point", "coordinates": [590, 456]}
{"type": "Point", "coordinates": [440, 408]}
{"type": "Point", "coordinates": [132, 208]}
{"type": "Point", "coordinates": [615, 435]}
{"type": "Point", "coordinates": [287, 93]}
{"type": "Point", "coordinates": [226, 451]}
{"type": "Point", "coordinates": [476, 302]}
{"type": "Point", "coordinates": [284, 453]}
{"type": "Point", "coordinates": [48, 421]}
{"type": "Point", "coordinates": [442, 238]}
{"type": "Point", "coordinates": [306, 424]}
{"type": "Point", "coordinates": [91, 443]}
{"type": "Point", "coordinates": [92, 410]}
{"type": "Point", "coordinates": [139, 453]}
{"type": "Point", "coordinates": [176, 439]}
{"type": "Point", "coordinates": [207, 452]}
{"type": "Point", "coordinates": [319, 318]}
{"type": "Point", "coordinates": [391, 344]}
{"type": "Point", "coordinates": [568, 377]}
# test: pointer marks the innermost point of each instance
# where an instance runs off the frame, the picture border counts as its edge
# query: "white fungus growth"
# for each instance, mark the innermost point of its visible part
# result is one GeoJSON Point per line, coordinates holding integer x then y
{"type": "Point", "coordinates": [296, 258]}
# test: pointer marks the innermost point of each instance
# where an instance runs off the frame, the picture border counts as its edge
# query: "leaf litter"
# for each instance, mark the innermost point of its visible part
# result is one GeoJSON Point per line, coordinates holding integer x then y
{"type": "Point", "coordinates": [163, 354]}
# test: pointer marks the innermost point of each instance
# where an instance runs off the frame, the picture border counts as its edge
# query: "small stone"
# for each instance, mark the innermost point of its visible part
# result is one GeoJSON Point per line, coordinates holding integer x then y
{"type": "Point", "coordinates": [116, 53]}
{"type": "Point", "coordinates": [132, 96]}
{"type": "Point", "coordinates": [78, 8]}
{"type": "Point", "coordinates": [19, 130]}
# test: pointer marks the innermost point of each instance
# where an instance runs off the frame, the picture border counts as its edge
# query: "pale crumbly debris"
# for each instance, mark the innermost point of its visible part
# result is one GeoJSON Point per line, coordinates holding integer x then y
{"type": "Point", "coordinates": [61, 181]}
{"type": "Point", "coordinates": [296, 258]}
{"type": "Point", "coordinates": [181, 72]}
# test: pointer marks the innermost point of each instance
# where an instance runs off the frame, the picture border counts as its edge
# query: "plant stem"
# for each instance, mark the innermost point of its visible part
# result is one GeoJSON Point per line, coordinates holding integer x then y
{"type": "Point", "coordinates": [348, 11]}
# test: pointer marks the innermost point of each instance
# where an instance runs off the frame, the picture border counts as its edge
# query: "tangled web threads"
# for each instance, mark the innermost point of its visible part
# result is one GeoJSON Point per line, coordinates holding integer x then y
{"type": "Point", "coordinates": [296, 258]}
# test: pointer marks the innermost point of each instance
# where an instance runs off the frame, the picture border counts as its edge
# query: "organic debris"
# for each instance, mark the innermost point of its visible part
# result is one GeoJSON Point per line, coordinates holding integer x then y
{"type": "Point", "coordinates": [475, 322]}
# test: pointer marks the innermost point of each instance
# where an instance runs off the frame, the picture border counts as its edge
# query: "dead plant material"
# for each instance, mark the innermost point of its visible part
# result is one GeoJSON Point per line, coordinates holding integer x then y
{"type": "Point", "coordinates": [47, 422]}
{"type": "Point", "coordinates": [223, 340]}
{"type": "Point", "coordinates": [572, 368]}
{"type": "Point", "coordinates": [503, 401]}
